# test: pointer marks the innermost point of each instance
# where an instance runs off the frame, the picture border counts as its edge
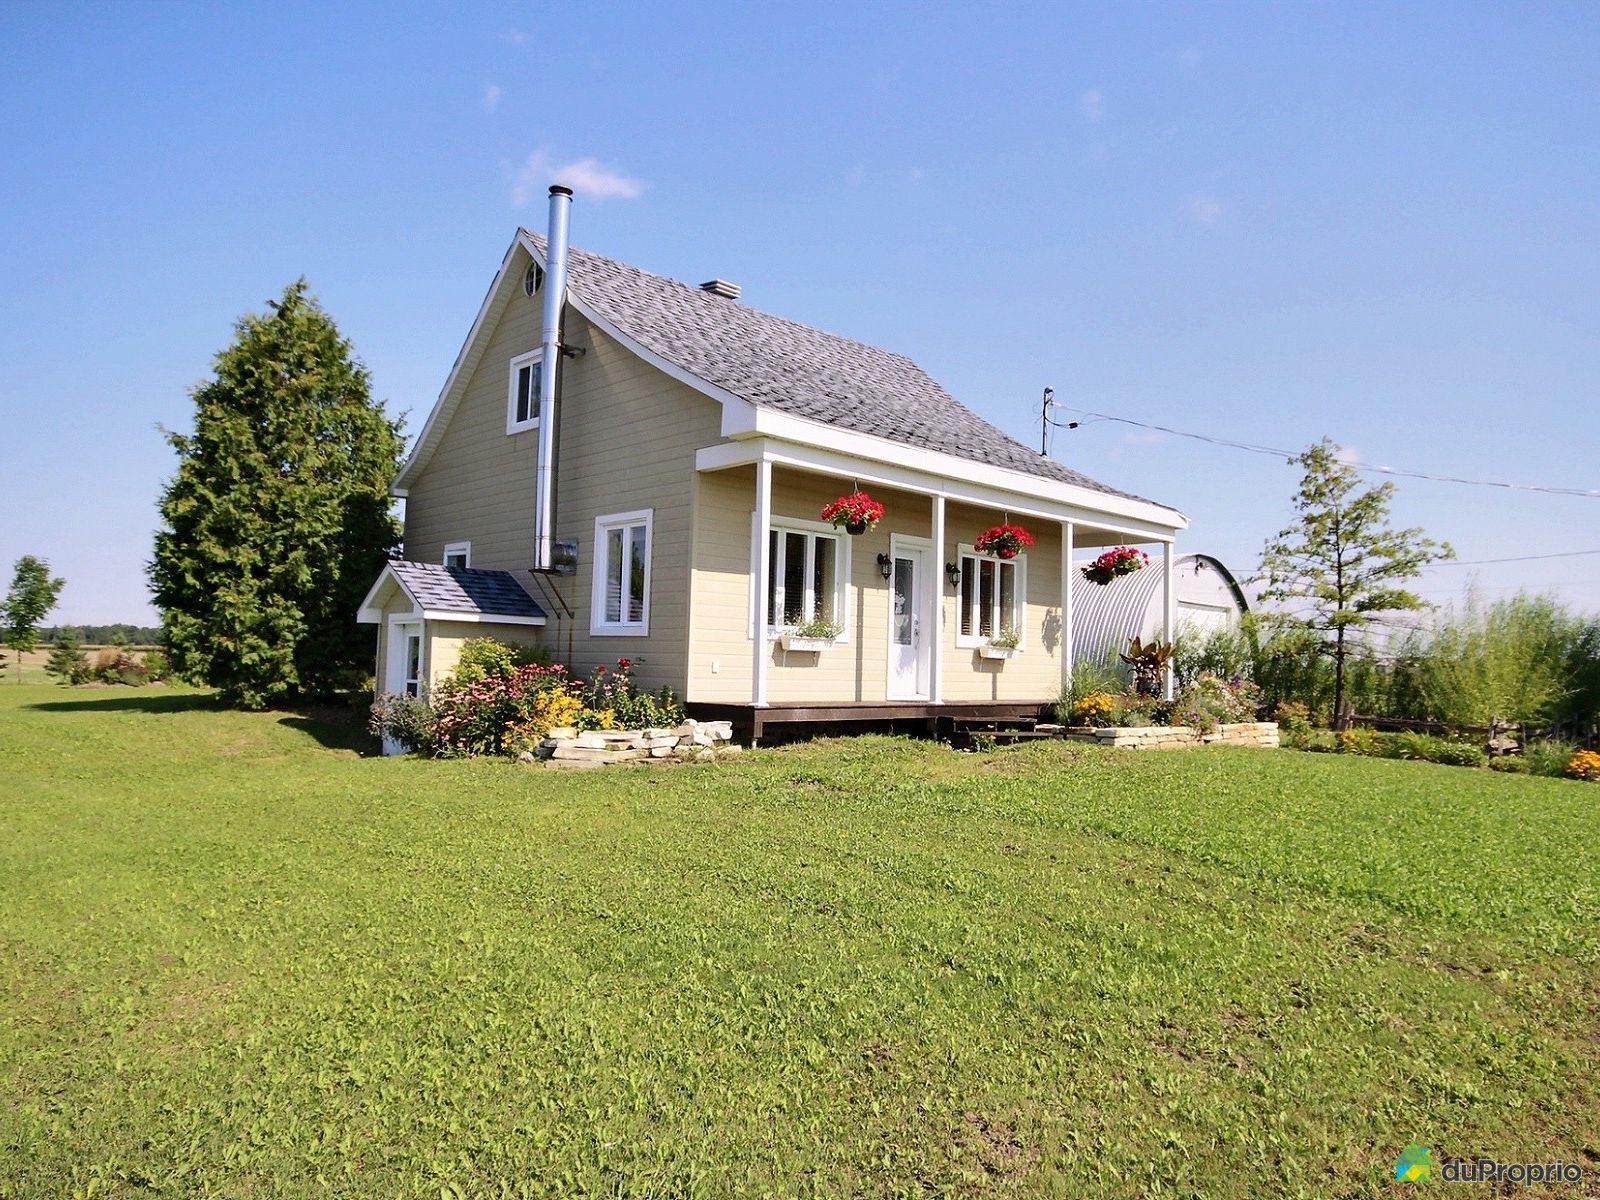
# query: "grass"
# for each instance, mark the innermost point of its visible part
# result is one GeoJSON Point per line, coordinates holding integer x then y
{"type": "Point", "coordinates": [238, 958]}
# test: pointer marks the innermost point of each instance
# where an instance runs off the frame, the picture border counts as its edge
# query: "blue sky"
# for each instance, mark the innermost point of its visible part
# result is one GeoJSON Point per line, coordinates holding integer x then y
{"type": "Point", "coordinates": [1262, 222]}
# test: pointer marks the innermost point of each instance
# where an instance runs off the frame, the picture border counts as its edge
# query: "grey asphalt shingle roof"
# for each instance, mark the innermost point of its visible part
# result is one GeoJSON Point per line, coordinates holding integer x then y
{"type": "Point", "coordinates": [449, 589]}
{"type": "Point", "coordinates": [782, 364]}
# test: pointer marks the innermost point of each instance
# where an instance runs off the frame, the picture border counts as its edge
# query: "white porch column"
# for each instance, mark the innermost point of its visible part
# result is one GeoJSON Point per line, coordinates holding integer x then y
{"type": "Point", "coordinates": [760, 553]}
{"type": "Point", "coordinates": [1168, 611]}
{"type": "Point", "coordinates": [1068, 536]}
{"type": "Point", "coordinates": [936, 685]}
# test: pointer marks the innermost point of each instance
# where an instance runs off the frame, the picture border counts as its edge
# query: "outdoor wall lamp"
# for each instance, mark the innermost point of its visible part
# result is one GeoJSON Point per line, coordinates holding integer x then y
{"type": "Point", "coordinates": [885, 565]}
{"type": "Point", "coordinates": [953, 573]}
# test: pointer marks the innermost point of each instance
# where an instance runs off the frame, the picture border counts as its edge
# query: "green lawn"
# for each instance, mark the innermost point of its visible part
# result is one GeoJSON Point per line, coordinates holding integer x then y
{"type": "Point", "coordinates": [238, 959]}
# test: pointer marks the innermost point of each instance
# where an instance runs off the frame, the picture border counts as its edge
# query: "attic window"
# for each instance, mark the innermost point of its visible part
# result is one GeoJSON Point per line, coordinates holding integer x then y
{"type": "Point", "coordinates": [522, 394]}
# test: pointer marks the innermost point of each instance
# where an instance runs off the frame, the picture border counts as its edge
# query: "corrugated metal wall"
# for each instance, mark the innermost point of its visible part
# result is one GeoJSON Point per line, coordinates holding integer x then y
{"type": "Point", "coordinates": [1106, 616]}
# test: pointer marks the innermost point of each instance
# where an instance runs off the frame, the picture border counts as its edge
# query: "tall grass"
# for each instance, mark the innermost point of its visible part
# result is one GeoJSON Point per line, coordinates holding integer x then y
{"type": "Point", "coordinates": [1513, 659]}
{"type": "Point", "coordinates": [1525, 658]}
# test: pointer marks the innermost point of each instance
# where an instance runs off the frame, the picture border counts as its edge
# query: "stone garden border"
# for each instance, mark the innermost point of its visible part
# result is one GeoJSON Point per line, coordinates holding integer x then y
{"type": "Point", "coordinates": [692, 741]}
{"type": "Point", "coordinates": [1174, 737]}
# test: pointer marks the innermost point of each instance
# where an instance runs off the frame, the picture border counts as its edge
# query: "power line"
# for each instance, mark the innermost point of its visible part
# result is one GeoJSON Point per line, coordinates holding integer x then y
{"type": "Point", "coordinates": [1587, 493]}
{"type": "Point", "coordinates": [1478, 562]}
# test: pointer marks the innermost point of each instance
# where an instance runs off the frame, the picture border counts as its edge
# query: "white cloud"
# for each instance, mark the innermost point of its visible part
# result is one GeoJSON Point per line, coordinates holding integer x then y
{"type": "Point", "coordinates": [1093, 105]}
{"type": "Point", "coordinates": [1348, 455]}
{"type": "Point", "coordinates": [515, 36]}
{"type": "Point", "coordinates": [585, 176]}
{"type": "Point", "coordinates": [491, 97]}
{"type": "Point", "coordinates": [1204, 208]}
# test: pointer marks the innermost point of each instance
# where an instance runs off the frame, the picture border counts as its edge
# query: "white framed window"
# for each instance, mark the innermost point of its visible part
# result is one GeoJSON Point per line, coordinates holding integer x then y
{"type": "Point", "coordinates": [621, 604]}
{"type": "Point", "coordinates": [413, 664]}
{"type": "Point", "coordinates": [992, 596]}
{"type": "Point", "coordinates": [458, 555]}
{"type": "Point", "coordinates": [522, 394]}
{"type": "Point", "coordinates": [808, 575]}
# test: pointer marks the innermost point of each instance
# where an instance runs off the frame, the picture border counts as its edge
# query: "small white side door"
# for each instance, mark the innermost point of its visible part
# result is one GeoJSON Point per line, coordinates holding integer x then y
{"type": "Point", "coordinates": [403, 667]}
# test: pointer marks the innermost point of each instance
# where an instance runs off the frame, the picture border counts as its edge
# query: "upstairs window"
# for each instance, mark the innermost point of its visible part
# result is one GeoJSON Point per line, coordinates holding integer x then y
{"type": "Point", "coordinates": [522, 398]}
{"type": "Point", "coordinates": [621, 584]}
{"type": "Point", "coordinates": [805, 576]}
{"type": "Point", "coordinates": [992, 596]}
{"type": "Point", "coordinates": [458, 555]}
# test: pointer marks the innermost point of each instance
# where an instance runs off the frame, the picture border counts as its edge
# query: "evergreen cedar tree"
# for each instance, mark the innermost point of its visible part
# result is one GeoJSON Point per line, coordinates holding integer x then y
{"type": "Point", "coordinates": [1340, 565]}
{"type": "Point", "coordinates": [33, 593]}
{"type": "Point", "coordinates": [67, 661]}
{"type": "Point", "coordinates": [278, 519]}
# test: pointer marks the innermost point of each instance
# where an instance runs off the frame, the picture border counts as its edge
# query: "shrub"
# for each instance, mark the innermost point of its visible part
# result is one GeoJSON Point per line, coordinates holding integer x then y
{"type": "Point", "coordinates": [1359, 740]}
{"type": "Point", "coordinates": [485, 656]}
{"type": "Point", "coordinates": [118, 666]}
{"type": "Point", "coordinates": [474, 717]}
{"type": "Point", "coordinates": [1206, 702]}
{"type": "Point", "coordinates": [1293, 718]}
{"type": "Point", "coordinates": [612, 690]}
{"type": "Point", "coordinates": [156, 667]}
{"type": "Point", "coordinates": [1510, 765]}
{"type": "Point", "coordinates": [1584, 764]}
{"type": "Point", "coordinates": [1548, 758]}
{"type": "Point", "coordinates": [1096, 673]}
{"type": "Point", "coordinates": [1096, 708]}
{"type": "Point", "coordinates": [67, 662]}
{"type": "Point", "coordinates": [404, 719]}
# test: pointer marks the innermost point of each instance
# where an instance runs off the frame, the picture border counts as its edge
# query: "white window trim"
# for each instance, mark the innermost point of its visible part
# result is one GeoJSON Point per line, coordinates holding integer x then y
{"type": "Point", "coordinates": [965, 554]}
{"type": "Point", "coordinates": [598, 625]}
{"type": "Point", "coordinates": [462, 548]}
{"type": "Point", "coordinates": [841, 571]}
{"type": "Point", "coordinates": [512, 424]}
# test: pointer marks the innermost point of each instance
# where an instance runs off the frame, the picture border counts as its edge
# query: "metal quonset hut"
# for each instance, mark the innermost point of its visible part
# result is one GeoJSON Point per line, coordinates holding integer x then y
{"type": "Point", "coordinates": [1106, 617]}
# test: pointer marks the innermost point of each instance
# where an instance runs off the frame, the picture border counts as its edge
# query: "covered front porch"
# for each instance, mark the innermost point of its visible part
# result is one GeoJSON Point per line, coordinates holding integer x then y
{"type": "Point", "coordinates": [925, 623]}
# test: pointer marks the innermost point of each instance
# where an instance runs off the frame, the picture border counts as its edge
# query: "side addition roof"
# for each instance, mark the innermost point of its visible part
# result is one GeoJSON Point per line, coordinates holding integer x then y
{"type": "Point", "coordinates": [454, 593]}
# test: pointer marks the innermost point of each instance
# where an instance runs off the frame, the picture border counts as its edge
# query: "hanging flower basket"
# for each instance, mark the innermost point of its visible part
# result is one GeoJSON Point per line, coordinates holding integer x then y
{"type": "Point", "coordinates": [1003, 541]}
{"type": "Point", "coordinates": [857, 512]}
{"type": "Point", "coordinates": [1119, 560]}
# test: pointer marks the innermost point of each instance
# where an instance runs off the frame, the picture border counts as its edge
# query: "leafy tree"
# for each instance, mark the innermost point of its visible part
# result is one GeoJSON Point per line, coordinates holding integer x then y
{"type": "Point", "coordinates": [33, 593]}
{"type": "Point", "coordinates": [67, 661]}
{"type": "Point", "coordinates": [278, 519]}
{"type": "Point", "coordinates": [1340, 566]}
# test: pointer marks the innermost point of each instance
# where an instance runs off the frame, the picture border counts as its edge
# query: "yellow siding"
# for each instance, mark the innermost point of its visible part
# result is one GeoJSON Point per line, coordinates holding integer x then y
{"type": "Point", "coordinates": [442, 642]}
{"type": "Point", "coordinates": [720, 650]}
{"type": "Point", "coordinates": [1035, 673]}
{"type": "Point", "coordinates": [628, 434]}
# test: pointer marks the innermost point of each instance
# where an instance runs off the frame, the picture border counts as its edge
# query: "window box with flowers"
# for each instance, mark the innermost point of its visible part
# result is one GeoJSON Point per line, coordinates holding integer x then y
{"type": "Point", "coordinates": [814, 636]}
{"type": "Point", "coordinates": [1119, 560]}
{"type": "Point", "coordinates": [855, 513]}
{"type": "Point", "coordinates": [1003, 645]}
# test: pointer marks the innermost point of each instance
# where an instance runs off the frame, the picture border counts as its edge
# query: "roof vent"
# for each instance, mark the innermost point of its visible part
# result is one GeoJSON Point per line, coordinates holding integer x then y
{"type": "Point", "coordinates": [721, 287]}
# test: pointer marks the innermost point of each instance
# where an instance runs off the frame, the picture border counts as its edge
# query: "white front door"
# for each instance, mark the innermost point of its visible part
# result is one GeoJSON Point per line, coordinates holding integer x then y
{"type": "Point", "coordinates": [910, 625]}
{"type": "Point", "coordinates": [403, 667]}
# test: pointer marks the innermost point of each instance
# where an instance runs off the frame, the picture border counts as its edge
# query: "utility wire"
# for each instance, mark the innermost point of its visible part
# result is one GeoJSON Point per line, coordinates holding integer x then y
{"type": "Point", "coordinates": [1476, 562]}
{"type": "Point", "coordinates": [1587, 493]}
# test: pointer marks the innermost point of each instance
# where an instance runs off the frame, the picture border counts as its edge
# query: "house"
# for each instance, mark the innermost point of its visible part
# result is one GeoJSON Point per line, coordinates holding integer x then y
{"type": "Point", "coordinates": [1205, 595]}
{"type": "Point", "coordinates": [622, 465]}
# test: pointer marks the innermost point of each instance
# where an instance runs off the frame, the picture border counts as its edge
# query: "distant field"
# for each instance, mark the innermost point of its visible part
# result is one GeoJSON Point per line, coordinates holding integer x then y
{"type": "Point", "coordinates": [33, 662]}
{"type": "Point", "coordinates": [238, 958]}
